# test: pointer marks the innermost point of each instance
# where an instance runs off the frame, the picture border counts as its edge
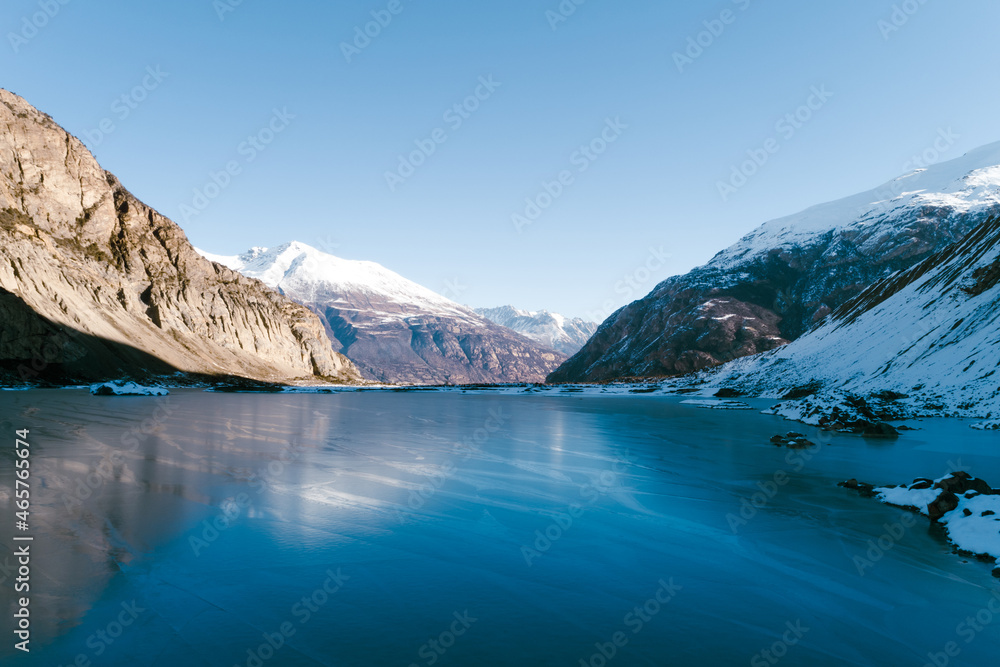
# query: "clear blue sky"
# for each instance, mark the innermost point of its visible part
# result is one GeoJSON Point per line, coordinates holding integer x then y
{"type": "Point", "coordinates": [322, 178]}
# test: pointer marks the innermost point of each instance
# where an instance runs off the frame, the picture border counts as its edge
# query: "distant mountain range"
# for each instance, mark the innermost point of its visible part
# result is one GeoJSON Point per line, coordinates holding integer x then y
{"type": "Point", "coordinates": [393, 329]}
{"type": "Point", "coordinates": [894, 291]}
{"type": "Point", "coordinates": [552, 330]}
{"type": "Point", "coordinates": [95, 285]}
{"type": "Point", "coordinates": [787, 276]}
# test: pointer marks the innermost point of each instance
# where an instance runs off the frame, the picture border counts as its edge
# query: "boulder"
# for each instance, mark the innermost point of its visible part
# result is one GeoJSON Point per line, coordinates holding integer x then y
{"type": "Point", "coordinates": [866, 490]}
{"type": "Point", "coordinates": [879, 430]}
{"type": "Point", "coordinates": [962, 482]}
{"type": "Point", "coordinates": [793, 441]}
{"type": "Point", "coordinates": [945, 502]}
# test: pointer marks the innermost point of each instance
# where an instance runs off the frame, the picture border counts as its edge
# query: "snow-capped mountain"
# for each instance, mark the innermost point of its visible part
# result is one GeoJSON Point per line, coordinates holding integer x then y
{"type": "Point", "coordinates": [392, 328]}
{"type": "Point", "coordinates": [308, 274]}
{"type": "Point", "coordinates": [930, 333]}
{"type": "Point", "coordinates": [563, 334]}
{"type": "Point", "coordinates": [789, 274]}
{"type": "Point", "coordinates": [966, 184]}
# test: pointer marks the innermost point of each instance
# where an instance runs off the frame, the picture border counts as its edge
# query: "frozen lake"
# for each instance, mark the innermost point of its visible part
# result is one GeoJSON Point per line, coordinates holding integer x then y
{"type": "Point", "coordinates": [426, 528]}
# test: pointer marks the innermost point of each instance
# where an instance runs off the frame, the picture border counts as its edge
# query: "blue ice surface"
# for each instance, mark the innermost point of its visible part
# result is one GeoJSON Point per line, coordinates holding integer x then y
{"type": "Point", "coordinates": [383, 528]}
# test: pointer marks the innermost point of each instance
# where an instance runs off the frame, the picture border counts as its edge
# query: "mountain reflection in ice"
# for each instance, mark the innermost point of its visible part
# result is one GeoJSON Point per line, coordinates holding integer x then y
{"type": "Point", "coordinates": [377, 528]}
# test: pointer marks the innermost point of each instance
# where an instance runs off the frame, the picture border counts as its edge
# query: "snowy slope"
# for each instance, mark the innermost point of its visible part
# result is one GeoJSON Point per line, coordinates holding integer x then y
{"type": "Point", "coordinates": [962, 185]}
{"type": "Point", "coordinates": [932, 332]}
{"type": "Point", "coordinates": [392, 328]}
{"type": "Point", "coordinates": [560, 333]}
{"type": "Point", "coordinates": [784, 278]}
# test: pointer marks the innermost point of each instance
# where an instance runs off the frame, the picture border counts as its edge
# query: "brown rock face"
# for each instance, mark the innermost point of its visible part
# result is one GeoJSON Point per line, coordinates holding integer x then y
{"type": "Point", "coordinates": [679, 331]}
{"type": "Point", "coordinates": [425, 349]}
{"type": "Point", "coordinates": [94, 284]}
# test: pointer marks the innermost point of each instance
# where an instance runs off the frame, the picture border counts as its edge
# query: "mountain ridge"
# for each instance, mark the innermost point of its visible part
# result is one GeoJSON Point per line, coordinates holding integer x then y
{"type": "Point", "coordinates": [786, 276]}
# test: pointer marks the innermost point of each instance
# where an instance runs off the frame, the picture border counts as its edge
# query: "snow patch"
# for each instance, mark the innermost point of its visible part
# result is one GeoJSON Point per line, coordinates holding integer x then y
{"type": "Point", "coordinates": [126, 389]}
{"type": "Point", "coordinates": [902, 496]}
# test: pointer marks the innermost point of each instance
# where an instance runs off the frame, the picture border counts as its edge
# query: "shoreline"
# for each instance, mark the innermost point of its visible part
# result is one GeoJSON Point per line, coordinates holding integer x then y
{"type": "Point", "coordinates": [827, 410]}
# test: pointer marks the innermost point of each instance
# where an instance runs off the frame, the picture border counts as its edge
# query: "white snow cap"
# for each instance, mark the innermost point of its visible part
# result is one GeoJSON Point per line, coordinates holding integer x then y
{"type": "Point", "coordinates": [966, 183]}
{"type": "Point", "coordinates": [301, 271]}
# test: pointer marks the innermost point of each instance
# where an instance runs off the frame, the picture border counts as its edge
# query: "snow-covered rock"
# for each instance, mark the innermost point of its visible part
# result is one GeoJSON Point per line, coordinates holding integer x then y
{"type": "Point", "coordinates": [393, 329]}
{"type": "Point", "coordinates": [126, 389]}
{"type": "Point", "coordinates": [967, 507]}
{"type": "Point", "coordinates": [848, 413]}
{"type": "Point", "coordinates": [989, 425]}
{"type": "Point", "coordinates": [563, 334]}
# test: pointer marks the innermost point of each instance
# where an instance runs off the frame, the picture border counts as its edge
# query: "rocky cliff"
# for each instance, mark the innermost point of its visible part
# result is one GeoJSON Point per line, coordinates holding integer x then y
{"type": "Point", "coordinates": [787, 276]}
{"type": "Point", "coordinates": [94, 284]}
